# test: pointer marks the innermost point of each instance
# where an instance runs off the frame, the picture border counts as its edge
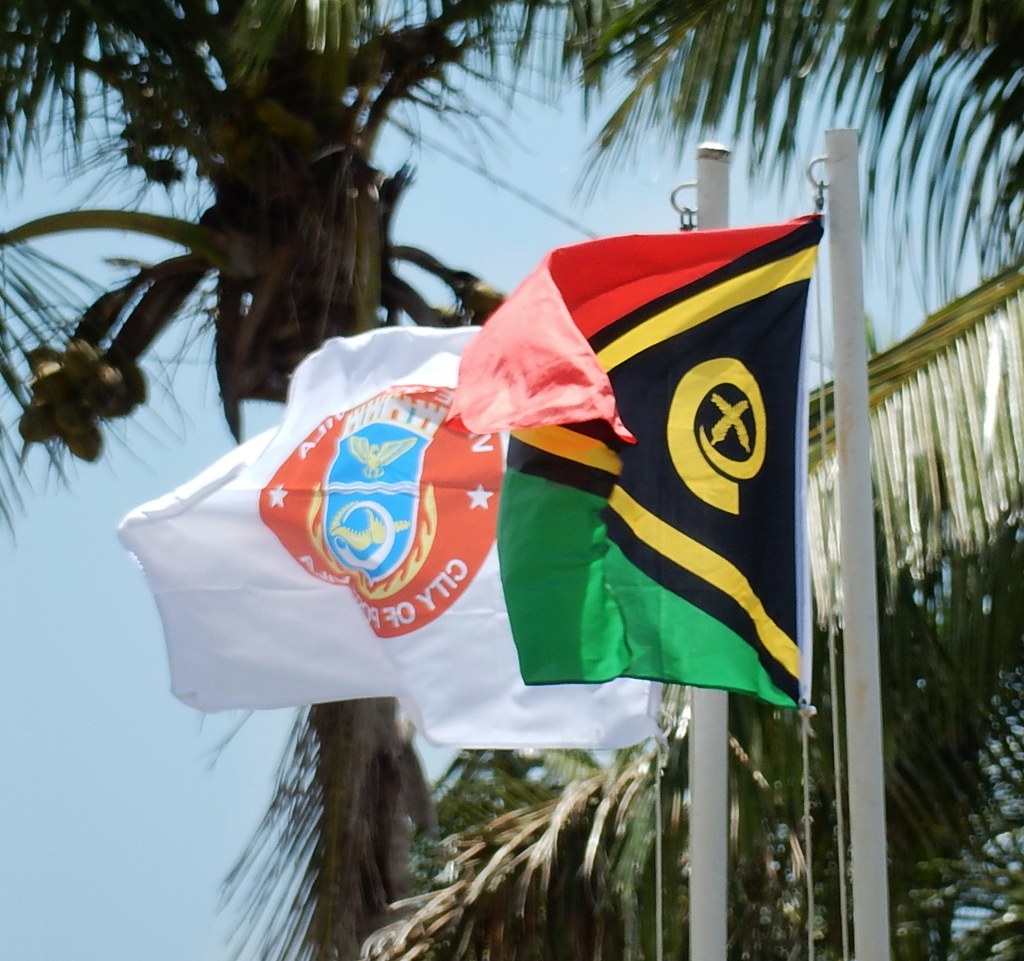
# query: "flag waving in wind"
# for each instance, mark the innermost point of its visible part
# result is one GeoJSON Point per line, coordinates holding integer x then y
{"type": "Point", "coordinates": [652, 521]}
{"type": "Point", "coordinates": [351, 553]}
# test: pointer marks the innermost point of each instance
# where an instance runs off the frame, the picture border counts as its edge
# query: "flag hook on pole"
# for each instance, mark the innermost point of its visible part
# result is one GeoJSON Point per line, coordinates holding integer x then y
{"type": "Point", "coordinates": [819, 184]}
{"type": "Point", "coordinates": [687, 215]}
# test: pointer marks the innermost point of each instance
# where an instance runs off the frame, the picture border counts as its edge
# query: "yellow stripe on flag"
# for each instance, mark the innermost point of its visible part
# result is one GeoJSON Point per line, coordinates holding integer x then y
{"type": "Point", "coordinates": [704, 563]}
{"type": "Point", "coordinates": [571, 445]}
{"type": "Point", "coordinates": [693, 311]}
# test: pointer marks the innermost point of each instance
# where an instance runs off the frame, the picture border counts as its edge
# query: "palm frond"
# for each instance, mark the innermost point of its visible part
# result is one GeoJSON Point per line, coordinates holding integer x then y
{"type": "Point", "coordinates": [967, 906]}
{"type": "Point", "coordinates": [571, 875]}
{"type": "Point", "coordinates": [196, 237]}
{"type": "Point", "coordinates": [955, 415]}
{"type": "Point", "coordinates": [55, 58]}
{"type": "Point", "coordinates": [937, 96]}
{"type": "Point", "coordinates": [535, 882]}
{"type": "Point", "coordinates": [892, 368]}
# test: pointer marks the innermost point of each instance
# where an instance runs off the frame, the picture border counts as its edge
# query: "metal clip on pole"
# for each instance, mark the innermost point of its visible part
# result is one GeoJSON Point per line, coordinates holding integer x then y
{"type": "Point", "coordinates": [819, 184]}
{"type": "Point", "coordinates": [687, 215]}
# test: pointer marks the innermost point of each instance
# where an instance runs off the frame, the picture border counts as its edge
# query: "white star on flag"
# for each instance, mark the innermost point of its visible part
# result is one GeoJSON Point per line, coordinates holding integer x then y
{"type": "Point", "coordinates": [277, 495]}
{"type": "Point", "coordinates": [479, 497]}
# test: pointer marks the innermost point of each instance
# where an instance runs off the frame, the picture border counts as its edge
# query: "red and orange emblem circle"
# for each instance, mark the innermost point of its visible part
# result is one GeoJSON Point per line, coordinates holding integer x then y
{"type": "Point", "coordinates": [388, 501]}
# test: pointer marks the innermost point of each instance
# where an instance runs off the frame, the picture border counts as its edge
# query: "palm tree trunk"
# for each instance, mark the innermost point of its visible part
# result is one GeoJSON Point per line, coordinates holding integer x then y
{"type": "Point", "coordinates": [363, 770]}
{"type": "Point", "coordinates": [352, 789]}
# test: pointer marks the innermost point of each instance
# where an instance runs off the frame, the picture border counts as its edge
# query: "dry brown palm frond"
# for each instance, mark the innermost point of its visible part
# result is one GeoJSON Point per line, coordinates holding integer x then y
{"type": "Point", "coordinates": [948, 454]}
{"type": "Point", "coordinates": [572, 876]}
{"type": "Point", "coordinates": [510, 876]}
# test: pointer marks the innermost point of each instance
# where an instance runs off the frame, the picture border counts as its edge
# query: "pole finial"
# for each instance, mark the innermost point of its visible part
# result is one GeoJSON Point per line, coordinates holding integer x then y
{"type": "Point", "coordinates": [709, 150]}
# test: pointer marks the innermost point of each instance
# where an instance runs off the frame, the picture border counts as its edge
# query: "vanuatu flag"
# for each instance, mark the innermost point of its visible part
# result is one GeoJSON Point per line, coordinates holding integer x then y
{"type": "Point", "coordinates": [651, 521]}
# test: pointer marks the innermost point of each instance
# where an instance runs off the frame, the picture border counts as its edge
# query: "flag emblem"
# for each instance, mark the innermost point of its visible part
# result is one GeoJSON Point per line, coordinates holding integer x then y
{"type": "Point", "coordinates": [366, 502]}
{"type": "Point", "coordinates": [717, 431]}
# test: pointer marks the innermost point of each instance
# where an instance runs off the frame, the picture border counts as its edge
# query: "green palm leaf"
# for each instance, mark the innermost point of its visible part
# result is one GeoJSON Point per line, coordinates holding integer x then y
{"type": "Point", "coordinates": [936, 92]}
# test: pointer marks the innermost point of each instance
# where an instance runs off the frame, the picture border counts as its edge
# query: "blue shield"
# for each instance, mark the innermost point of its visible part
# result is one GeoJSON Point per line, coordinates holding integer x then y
{"type": "Point", "coordinates": [372, 495]}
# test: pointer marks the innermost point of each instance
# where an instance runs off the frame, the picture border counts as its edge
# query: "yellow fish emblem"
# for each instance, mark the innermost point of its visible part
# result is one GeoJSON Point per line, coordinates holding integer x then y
{"type": "Point", "coordinates": [374, 532]}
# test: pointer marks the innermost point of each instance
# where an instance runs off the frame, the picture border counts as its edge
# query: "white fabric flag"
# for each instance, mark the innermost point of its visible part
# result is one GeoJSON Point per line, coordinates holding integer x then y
{"type": "Point", "coordinates": [351, 553]}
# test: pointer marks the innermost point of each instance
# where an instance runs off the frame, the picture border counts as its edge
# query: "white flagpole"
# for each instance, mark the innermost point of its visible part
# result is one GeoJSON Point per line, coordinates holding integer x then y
{"type": "Point", "coordinates": [709, 717]}
{"type": "Point", "coordinates": [857, 555]}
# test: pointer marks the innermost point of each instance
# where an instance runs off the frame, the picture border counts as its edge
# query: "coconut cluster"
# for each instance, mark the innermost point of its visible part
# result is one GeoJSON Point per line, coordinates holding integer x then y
{"type": "Point", "coordinates": [73, 390]}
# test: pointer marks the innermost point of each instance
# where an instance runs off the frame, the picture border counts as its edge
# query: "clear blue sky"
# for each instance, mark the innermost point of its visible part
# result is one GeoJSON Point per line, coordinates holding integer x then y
{"type": "Point", "coordinates": [120, 811]}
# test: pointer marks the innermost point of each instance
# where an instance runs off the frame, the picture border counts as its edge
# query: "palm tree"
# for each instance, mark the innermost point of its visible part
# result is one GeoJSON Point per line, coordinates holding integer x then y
{"type": "Point", "coordinates": [272, 112]}
{"type": "Point", "coordinates": [277, 108]}
{"type": "Point", "coordinates": [278, 111]}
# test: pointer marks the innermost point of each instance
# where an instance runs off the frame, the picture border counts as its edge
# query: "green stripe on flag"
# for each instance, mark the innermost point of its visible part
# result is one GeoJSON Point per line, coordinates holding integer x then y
{"type": "Point", "coordinates": [673, 640]}
{"type": "Point", "coordinates": [551, 545]}
{"type": "Point", "coordinates": [573, 598]}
